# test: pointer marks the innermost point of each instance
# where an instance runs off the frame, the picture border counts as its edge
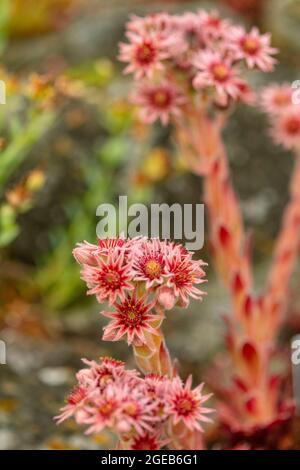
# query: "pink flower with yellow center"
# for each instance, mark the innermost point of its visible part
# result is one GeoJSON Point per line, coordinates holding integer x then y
{"type": "Point", "coordinates": [149, 263]}
{"type": "Point", "coordinates": [162, 101]}
{"type": "Point", "coordinates": [110, 279]}
{"type": "Point", "coordinates": [186, 405]}
{"type": "Point", "coordinates": [253, 47]}
{"type": "Point", "coordinates": [136, 410]}
{"type": "Point", "coordinates": [286, 128]}
{"type": "Point", "coordinates": [144, 53]}
{"type": "Point", "coordinates": [99, 375]}
{"type": "Point", "coordinates": [102, 410]}
{"type": "Point", "coordinates": [215, 71]}
{"type": "Point", "coordinates": [184, 274]}
{"type": "Point", "coordinates": [133, 319]}
{"type": "Point", "coordinates": [276, 98]}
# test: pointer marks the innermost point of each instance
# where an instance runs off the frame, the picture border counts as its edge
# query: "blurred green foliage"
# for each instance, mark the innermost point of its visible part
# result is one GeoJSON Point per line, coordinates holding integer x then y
{"type": "Point", "coordinates": [20, 128]}
{"type": "Point", "coordinates": [105, 165]}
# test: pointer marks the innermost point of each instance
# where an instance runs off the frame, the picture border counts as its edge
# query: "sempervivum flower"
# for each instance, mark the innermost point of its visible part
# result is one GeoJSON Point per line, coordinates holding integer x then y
{"type": "Point", "coordinates": [212, 25]}
{"type": "Point", "coordinates": [102, 410]}
{"type": "Point", "coordinates": [148, 263]}
{"type": "Point", "coordinates": [213, 70]}
{"type": "Point", "coordinates": [156, 384]}
{"type": "Point", "coordinates": [99, 375]}
{"type": "Point", "coordinates": [286, 128]}
{"type": "Point", "coordinates": [121, 406]}
{"type": "Point", "coordinates": [253, 47]}
{"type": "Point", "coordinates": [246, 95]}
{"type": "Point", "coordinates": [148, 441]}
{"type": "Point", "coordinates": [144, 53]}
{"type": "Point", "coordinates": [189, 29]}
{"type": "Point", "coordinates": [157, 387]}
{"type": "Point", "coordinates": [136, 411]}
{"type": "Point", "coordinates": [183, 274]}
{"type": "Point", "coordinates": [133, 319]}
{"type": "Point", "coordinates": [110, 279]}
{"type": "Point", "coordinates": [159, 23]}
{"type": "Point", "coordinates": [186, 404]}
{"type": "Point", "coordinates": [84, 253]}
{"type": "Point", "coordinates": [75, 402]}
{"type": "Point", "coordinates": [159, 101]}
{"type": "Point", "coordinates": [276, 98]}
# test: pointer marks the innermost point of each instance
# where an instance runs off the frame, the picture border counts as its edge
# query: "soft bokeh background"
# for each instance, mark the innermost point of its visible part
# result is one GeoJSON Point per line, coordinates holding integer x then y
{"type": "Point", "coordinates": [61, 156]}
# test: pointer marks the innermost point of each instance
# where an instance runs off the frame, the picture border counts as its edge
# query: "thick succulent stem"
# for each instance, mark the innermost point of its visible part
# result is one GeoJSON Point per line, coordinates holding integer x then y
{"type": "Point", "coordinates": [254, 330]}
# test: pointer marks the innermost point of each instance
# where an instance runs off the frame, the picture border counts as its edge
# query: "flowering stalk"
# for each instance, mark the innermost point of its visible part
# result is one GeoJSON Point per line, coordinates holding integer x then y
{"type": "Point", "coordinates": [285, 129]}
{"type": "Point", "coordinates": [140, 279]}
{"type": "Point", "coordinates": [201, 57]}
{"type": "Point", "coordinates": [253, 333]}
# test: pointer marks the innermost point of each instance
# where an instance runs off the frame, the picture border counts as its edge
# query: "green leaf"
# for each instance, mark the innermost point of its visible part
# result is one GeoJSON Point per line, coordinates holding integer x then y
{"type": "Point", "coordinates": [23, 140]}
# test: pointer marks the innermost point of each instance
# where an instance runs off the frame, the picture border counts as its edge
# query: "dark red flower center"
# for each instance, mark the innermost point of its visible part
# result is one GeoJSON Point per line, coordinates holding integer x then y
{"type": "Point", "coordinates": [145, 443]}
{"type": "Point", "coordinates": [112, 279]}
{"type": "Point", "coordinates": [214, 22]}
{"type": "Point", "coordinates": [145, 53]}
{"type": "Point", "coordinates": [132, 313]}
{"type": "Point", "coordinates": [161, 98]}
{"type": "Point", "coordinates": [185, 405]}
{"type": "Point", "coordinates": [292, 126]}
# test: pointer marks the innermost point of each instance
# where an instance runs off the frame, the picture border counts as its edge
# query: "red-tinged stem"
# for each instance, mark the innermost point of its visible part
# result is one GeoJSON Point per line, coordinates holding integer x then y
{"type": "Point", "coordinates": [286, 247]}
{"type": "Point", "coordinates": [253, 331]}
{"type": "Point", "coordinates": [154, 358]}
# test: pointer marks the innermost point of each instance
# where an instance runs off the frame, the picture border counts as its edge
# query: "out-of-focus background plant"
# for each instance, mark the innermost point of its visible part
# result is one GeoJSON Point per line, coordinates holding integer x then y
{"type": "Point", "coordinates": [70, 140]}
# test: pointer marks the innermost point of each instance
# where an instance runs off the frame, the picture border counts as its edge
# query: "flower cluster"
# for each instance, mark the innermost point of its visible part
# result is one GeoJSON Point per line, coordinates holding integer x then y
{"type": "Point", "coordinates": [284, 115]}
{"type": "Point", "coordinates": [172, 56]}
{"type": "Point", "coordinates": [142, 412]}
{"type": "Point", "coordinates": [201, 58]}
{"type": "Point", "coordinates": [139, 278]}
